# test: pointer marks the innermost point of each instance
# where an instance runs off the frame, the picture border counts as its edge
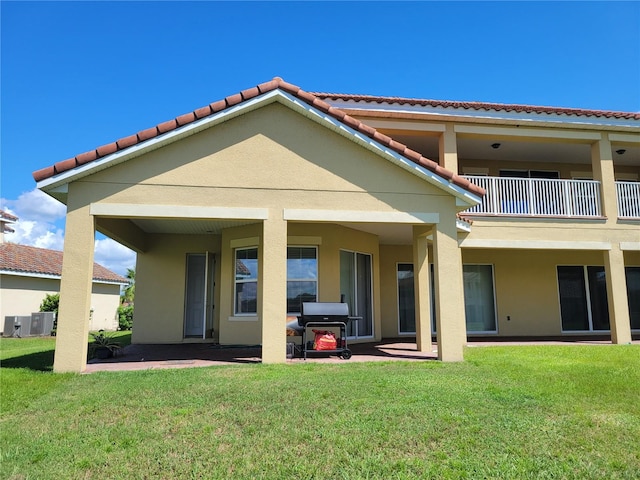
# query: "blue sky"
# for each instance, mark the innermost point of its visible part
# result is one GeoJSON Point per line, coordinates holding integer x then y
{"type": "Point", "coordinates": [77, 75]}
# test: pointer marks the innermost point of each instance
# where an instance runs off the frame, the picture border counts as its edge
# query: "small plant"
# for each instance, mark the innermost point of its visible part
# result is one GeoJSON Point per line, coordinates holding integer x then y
{"type": "Point", "coordinates": [103, 345]}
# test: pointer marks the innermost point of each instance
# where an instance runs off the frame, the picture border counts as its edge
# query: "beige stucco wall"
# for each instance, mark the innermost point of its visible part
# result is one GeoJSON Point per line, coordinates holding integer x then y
{"type": "Point", "coordinates": [526, 285]}
{"type": "Point", "coordinates": [160, 286]}
{"type": "Point", "coordinates": [23, 296]}
{"type": "Point", "coordinates": [271, 158]}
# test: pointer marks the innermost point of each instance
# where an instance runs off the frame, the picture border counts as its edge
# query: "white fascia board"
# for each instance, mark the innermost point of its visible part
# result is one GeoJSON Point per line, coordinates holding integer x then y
{"type": "Point", "coordinates": [49, 276]}
{"type": "Point", "coordinates": [463, 226]}
{"type": "Point", "coordinates": [484, 114]}
{"type": "Point", "coordinates": [630, 246]}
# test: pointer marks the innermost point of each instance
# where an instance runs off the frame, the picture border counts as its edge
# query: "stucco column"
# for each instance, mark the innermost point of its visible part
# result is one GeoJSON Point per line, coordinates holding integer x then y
{"type": "Point", "coordinates": [449, 291]}
{"type": "Point", "coordinates": [448, 148]}
{"type": "Point", "coordinates": [619, 319]}
{"type": "Point", "coordinates": [75, 290]}
{"type": "Point", "coordinates": [273, 288]}
{"type": "Point", "coordinates": [603, 171]}
{"type": "Point", "coordinates": [421, 282]}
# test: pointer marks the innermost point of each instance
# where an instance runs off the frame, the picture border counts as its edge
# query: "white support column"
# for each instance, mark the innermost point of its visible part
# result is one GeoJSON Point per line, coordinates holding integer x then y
{"type": "Point", "coordinates": [603, 171]}
{"type": "Point", "coordinates": [273, 288]}
{"type": "Point", "coordinates": [422, 288]}
{"type": "Point", "coordinates": [619, 319]}
{"type": "Point", "coordinates": [75, 291]}
{"type": "Point", "coordinates": [449, 291]}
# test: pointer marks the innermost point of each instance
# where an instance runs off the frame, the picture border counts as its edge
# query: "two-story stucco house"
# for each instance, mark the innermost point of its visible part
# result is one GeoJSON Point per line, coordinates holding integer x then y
{"type": "Point", "coordinates": [426, 217]}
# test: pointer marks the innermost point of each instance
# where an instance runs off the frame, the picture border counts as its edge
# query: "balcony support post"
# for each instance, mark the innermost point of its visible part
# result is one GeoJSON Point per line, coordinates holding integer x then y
{"type": "Point", "coordinates": [603, 171]}
{"type": "Point", "coordinates": [448, 149]}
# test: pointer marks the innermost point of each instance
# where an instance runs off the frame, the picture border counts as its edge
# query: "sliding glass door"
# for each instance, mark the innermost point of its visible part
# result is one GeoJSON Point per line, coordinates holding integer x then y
{"type": "Point", "coordinates": [356, 288]}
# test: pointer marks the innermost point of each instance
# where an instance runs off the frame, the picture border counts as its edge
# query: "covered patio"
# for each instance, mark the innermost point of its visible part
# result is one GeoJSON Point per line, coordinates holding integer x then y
{"type": "Point", "coordinates": [186, 355]}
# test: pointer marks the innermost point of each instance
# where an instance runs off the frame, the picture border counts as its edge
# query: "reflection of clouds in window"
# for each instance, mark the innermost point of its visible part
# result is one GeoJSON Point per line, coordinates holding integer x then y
{"type": "Point", "coordinates": [246, 285]}
{"type": "Point", "coordinates": [302, 277]}
{"type": "Point", "coordinates": [302, 269]}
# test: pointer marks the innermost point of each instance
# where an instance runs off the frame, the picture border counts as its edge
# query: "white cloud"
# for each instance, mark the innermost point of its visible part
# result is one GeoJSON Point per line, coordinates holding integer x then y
{"type": "Point", "coordinates": [114, 256]}
{"type": "Point", "coordinates": [37, 215]}
{"type": "Point", "coordinates": [41, 224]}
{"type": "Point", "coordinates": [36, 205]}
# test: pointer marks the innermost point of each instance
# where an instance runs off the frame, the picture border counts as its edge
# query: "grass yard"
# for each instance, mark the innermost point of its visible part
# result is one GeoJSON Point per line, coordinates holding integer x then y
{"type": "Point", "coordinates": [539, 412]}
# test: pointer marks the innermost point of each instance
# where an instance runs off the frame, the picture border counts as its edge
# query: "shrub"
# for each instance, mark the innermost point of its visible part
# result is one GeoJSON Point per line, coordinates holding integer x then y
{"type": "Point", "coordinates": [50, 304]}
{"type": "Point", "coordinates": [125, 317]}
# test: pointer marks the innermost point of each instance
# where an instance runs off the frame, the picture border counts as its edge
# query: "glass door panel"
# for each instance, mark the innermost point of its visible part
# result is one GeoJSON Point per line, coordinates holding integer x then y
{"type": "Point", "coordinates": [355, 287]}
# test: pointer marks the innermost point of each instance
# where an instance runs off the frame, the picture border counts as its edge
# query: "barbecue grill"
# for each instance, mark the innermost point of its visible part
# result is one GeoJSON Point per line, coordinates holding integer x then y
{"type": "Point", "coordinates": [325, 315]}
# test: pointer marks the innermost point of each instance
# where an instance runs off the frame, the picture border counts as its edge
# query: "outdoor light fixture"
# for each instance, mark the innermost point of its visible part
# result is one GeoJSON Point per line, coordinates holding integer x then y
{"type": "Point", "coordinates": [621, 151]}
{"type": "Point", "coordinates": [495, 145]}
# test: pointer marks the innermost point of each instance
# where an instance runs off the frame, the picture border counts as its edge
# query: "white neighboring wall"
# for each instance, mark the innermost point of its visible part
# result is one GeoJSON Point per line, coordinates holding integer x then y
{"type": "Point", "coordinates": [22, 295]}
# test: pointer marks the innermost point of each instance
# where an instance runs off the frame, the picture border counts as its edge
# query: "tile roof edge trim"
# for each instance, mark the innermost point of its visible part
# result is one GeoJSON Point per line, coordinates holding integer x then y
{"type": "Point", "coordinates": [477, 105]}
{"type": "Point", "coordinates": [533, 118]}
{"type": "Point", "coordinates": [52, 276]}
{"type": "Point", "coordinates": [400, 160]}
{"type": "Point", "coordinates": [146, 146]}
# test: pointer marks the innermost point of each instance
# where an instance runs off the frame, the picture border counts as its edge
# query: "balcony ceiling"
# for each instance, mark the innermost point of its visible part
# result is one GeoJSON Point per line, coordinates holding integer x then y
{"type": "Point", "coordinates": [474, 148]}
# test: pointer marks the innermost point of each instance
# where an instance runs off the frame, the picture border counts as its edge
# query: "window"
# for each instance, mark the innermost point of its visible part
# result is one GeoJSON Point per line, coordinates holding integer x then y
{"type": "Point", "coordinates": [302, 277]}
{"type": "Point", "coordinates": [479, 304]}
{"type": "Point", "coordinates": [479, 301]}
{"type": "Point", "coordinates": [530, 174]}
{"type": "Point", "coordinates": [246, 282]}
{"type": "Point", "coordinates": [583, 298]}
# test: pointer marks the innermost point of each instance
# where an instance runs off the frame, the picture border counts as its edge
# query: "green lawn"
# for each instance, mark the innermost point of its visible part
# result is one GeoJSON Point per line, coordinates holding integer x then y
{"type": "Point", "coordinates": [534, 412]}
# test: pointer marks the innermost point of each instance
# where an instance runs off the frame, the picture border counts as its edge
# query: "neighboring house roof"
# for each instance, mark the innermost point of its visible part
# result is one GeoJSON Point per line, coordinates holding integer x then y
{"type": "Point", "coordinates": [243, 96]}
{"type": "Point", "coordinates": [480, 106]}
{"type": "Point", "coordinates": [36, 261]}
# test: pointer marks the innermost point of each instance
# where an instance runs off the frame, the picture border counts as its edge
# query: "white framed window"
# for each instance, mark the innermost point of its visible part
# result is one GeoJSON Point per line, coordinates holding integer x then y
{"type": "Point", "coordinates": [246, 281]}
{"type": "Point", "coordinates": [302, 277]}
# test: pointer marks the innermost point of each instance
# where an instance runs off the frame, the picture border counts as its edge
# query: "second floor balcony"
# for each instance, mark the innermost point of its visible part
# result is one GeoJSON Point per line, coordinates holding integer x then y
{"type": "Point", "coordinates": [533, 197]}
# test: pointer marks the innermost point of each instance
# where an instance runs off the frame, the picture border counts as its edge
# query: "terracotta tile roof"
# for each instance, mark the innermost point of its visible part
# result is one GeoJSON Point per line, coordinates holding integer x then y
{"type": "Point", "coordinates": [33, 260]}
{"type": "Point", "coordinates": [215, 107]}
{"type": "Point", "coordinates": [480, 106]}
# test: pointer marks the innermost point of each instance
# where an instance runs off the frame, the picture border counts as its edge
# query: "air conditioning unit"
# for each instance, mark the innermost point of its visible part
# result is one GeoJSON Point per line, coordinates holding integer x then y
{"type": "Point", "coordinates": [17, 326]}
{"type": "Point", "coordinates": [42, 323]}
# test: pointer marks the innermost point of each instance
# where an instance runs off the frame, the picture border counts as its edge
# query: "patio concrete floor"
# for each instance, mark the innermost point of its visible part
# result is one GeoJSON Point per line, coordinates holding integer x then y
{"type": "Point", "coordinates": [145, 357]}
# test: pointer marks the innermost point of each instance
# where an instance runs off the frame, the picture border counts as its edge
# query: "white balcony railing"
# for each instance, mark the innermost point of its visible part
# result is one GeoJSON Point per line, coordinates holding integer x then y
{"type": "Point", "coordinates": [628, 199]}
{"type": "Point", "coordinates": [529, 197]}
